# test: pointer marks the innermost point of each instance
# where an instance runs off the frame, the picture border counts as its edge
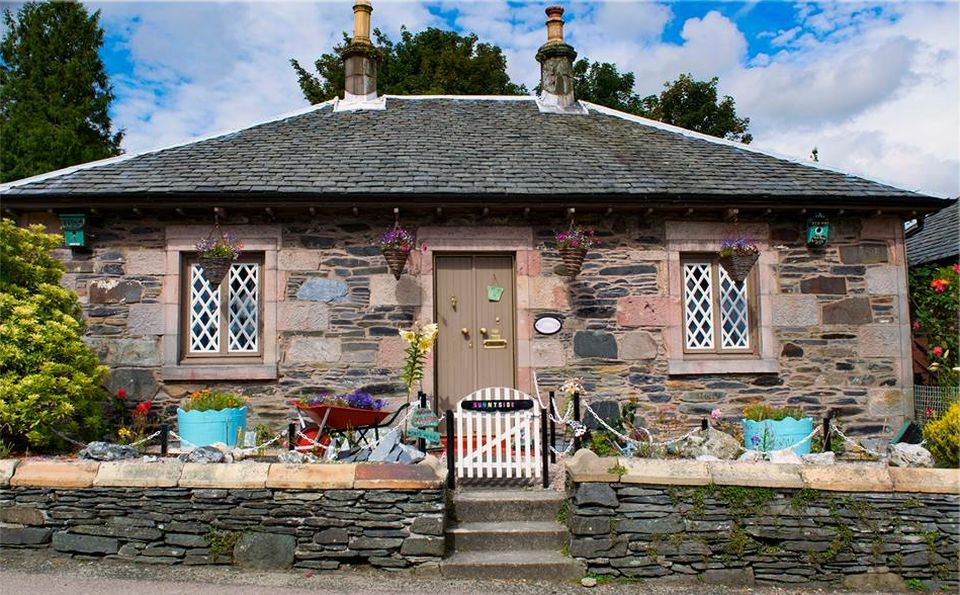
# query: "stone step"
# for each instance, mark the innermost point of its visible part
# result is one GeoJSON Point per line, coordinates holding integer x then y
{"type": "Point", "coordinates": [531, 565]}
{"type": "Point", "coordinates": [484, 506]}
{"type": "Point", "coordinates": [503, 536]}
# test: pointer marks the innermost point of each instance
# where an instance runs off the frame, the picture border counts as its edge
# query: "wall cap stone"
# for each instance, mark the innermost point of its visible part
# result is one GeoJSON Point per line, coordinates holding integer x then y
{"type": "Point", "coordinates": [847, 478]}
{"type": "Point", "coordinates": [7, 467]}
{"type": "Point", "coordinates": [314, 476]}
{"type": "Point", "coordinates": [770, 475]}
{"type": "Point", "coordinates": [224, 475]}
{"type": "Point", "coordinates": [395, 476]}
{"type": "Point", "coordinates": [585, 466]}
{"type": "Point", "coordinates": [138, 474]}
{"type": "Point", "coordinates": [53, 473]}
{"type": "Point", "coordinates": [680, 472]}
{"type": "Point", "coordinates": [925, 481]}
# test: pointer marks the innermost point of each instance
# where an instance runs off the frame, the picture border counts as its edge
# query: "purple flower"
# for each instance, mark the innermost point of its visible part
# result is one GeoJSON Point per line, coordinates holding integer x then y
{"type": "Point", "coordinates": [754, 440]}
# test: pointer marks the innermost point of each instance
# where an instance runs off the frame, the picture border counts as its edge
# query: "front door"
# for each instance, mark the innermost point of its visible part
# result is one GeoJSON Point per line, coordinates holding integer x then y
{"type": "Point", "coordinates": [475, 308]}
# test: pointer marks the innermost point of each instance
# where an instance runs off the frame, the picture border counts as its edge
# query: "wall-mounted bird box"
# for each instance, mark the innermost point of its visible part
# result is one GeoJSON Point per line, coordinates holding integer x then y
{"type": "Point", "coordinates": [818, 231]}
{"type": "Point", "coordinates": [74, 232]}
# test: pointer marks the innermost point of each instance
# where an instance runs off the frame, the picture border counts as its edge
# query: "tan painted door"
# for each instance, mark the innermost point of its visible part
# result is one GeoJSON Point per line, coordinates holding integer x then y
{"type": "Point", "coordinates": [475, 311]}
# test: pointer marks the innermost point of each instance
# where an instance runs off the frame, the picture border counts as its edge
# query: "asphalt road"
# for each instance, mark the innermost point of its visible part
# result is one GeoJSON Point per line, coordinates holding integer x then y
{"type": "Point", "coordinates": [40, 573]}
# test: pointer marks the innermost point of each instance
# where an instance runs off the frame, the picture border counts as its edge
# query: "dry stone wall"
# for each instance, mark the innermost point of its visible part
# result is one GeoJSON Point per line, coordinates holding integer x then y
{"type": "Point", "coordinates": [836, 315]}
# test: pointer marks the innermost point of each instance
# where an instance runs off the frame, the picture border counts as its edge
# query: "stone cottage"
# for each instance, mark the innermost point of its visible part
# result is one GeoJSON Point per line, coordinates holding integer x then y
{"type": "Point", "coordinates": [484, 182]}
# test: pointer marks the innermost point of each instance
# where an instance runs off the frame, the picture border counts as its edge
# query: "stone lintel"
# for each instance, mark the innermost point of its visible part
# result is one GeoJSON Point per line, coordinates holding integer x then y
{"type": "Point", "coordinates": [55, 474]}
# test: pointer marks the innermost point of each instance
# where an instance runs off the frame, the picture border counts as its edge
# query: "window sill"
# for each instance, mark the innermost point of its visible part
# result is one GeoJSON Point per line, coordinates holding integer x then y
{"type": "Point", "coordinates": [220, 372]}
{"type": "Point", "coordinates": [679, 367]}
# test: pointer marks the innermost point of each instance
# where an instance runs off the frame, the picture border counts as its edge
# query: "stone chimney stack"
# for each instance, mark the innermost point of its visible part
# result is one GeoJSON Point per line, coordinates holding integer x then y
{"type": "Point", "coordinates": [360, 57]}
{"type": "Point", "coordinates": [556, 63]}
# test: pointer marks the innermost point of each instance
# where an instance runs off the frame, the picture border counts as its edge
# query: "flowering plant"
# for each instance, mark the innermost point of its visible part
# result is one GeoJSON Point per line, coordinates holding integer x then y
{"type": "Point", "coordinates": [211, 400]}
{"type": "Point", "coordinates": [221, 247]}
{"type": "Point", "coordinates": [573, 385]}
{"type": "Point", "coordinates": [398, 238]}
{"type": "Point", "coordinates": [420, 339]}
{"type": "Point", "coordinates": [741, 246]}
{"type": "Point", "coordinates": [576, 238]}
{"type": "Point", "coordinates": [935, 309]}
{"type": "Point", "coordinates": [137, 430]}
{"type": "Point", "coordinates": [356, 399]}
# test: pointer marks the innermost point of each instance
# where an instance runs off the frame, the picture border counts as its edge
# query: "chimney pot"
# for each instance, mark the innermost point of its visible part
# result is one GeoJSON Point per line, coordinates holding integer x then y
{"type": "Point", "coordinates": [554, 24]}
{"type": "Point", "coordinates": [361, 21]}
{"type": "Point", "coordinates": [556, 64]}
{"type": "Point", "coordinates": [360, 57]}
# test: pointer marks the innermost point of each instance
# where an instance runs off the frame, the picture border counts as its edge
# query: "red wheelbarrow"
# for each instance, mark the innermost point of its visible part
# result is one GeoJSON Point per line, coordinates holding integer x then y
{"type": "Point", "coordinates": [337, 420]}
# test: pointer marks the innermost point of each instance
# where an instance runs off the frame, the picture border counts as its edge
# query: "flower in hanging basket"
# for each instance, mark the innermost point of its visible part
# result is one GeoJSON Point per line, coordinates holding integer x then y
{"type": "Point", "coordinates": [573, 245]}
{"type": "Point", "coordinates": [215, 256]}
{"type": "Point", "coordinates": [737, 257]}
{"type": "Point", "coordinates": [397, 243]}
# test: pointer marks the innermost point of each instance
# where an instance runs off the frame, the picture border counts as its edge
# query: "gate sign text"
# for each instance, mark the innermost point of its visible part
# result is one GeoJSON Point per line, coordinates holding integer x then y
{"type": "Point", "coordinates": [494, 406]}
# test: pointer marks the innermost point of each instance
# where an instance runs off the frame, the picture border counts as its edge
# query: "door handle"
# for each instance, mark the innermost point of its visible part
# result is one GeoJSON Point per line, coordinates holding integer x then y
{"type": "Point", "coordinates": [483, 331]}
{"type": "Point", "coordinates": [465, 331]}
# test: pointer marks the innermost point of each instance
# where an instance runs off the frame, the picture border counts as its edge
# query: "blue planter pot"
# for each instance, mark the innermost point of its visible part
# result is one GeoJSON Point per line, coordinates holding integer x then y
{"type": "Point", "coordinates": [202, 428]}
{"type": "Point", "coordinates": [775, 435]}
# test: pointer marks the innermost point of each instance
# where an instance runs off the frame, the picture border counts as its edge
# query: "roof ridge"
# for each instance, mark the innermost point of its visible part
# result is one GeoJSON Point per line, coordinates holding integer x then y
{"type": "Point", "coordinates": [128, 156]}
{"type": "Point", "coordinates": [737, 145]}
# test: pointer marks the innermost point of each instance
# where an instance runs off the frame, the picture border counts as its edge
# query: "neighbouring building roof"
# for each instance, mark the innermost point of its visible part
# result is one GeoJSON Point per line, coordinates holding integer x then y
{"type": "Point", "coordinates": [939, 240]}
{"type": "Point", "coordinates": [457, 147]}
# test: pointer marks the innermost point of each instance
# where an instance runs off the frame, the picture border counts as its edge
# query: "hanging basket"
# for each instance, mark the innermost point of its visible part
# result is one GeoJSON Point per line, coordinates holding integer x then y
{"type": "Point", "coordinates": [572, 260]}
{"type": "Point", "coordinates": [396, 261]}
{"type": "Point", "coordinates": [215, 268]}
{"type": "Point", "coordinates": [738, 265]}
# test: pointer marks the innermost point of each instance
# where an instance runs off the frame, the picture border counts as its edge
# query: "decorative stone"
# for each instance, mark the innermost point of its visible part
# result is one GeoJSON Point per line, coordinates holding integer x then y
{"type": "Point", "coordinates": [203, 455]}
{"type": "Point", "coordinates": [302, 316]}
{"type": "Point", "coordinates": [105, 451]}
{"type": "Point", "coordinates": [595, 494]}
{"type": "Point", "coordinates": [863, 254]}
{"type": "Point", "coordinates": [312, 350]}
{"type": "Point", "coordinates": [848, 311]}
{"type": "Point", "coordinates": [84, 544]}
{"type": "Point", "coordinates": [711, 442]}
{"type": "Point", "coordinates": [902, 454]}
{"type": "Point", "coordinates": [595, 344]}
{"type": "Point", "coordinates": [114, 291]}
{"type": "Point", "coordinates": [319, 289]}
{"type": "Point", "coordinates": [264, 551]}
{"type": "Point", "coordinates": [145, 319]}
{"type": "Point", "coordinates": [795, 310]}
{"type": "Point", "coordinates": [827, 285]}
{"type": "Point", "coordinates": [638, 345]}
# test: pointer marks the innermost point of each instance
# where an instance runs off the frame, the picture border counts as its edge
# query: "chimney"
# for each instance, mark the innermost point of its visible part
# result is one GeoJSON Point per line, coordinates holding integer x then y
{"type": "Point", "coordinates": [556, 64]}
{"type": "Point", "coordinates": [360, 57]}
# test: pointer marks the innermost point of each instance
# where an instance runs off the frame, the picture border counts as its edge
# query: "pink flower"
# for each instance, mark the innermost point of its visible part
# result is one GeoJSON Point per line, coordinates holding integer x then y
{"type": "Point", "coordinates": [956, 268]}
{"type": "Point", "coordinates": [929, 412]}
{"type": "Point", "coordinates": [937, 351]}
{"type": "Point", "coordinates": [916, 325]}
{"type": "Point", "coordinates": [940, 285]}
{"type": "Point", "coordinates": [716, 414]}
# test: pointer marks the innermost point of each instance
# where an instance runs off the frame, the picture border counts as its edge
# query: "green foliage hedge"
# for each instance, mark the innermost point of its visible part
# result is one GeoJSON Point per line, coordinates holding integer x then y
{"type": "Point", "coordinates": [943, 437]}
{"type": "Point", "coordinates": [935, 308]}
{"type": "Point", "coordinates": [50, 380]}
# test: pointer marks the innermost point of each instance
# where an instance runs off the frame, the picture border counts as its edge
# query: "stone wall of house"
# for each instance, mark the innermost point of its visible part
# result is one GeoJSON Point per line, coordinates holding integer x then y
{"type": "Point", "coordinates": [837, 317]}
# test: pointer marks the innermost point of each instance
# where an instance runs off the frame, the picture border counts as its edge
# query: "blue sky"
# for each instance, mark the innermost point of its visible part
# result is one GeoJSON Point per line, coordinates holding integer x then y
{"type": "Point", "coordinates": [874, 86]}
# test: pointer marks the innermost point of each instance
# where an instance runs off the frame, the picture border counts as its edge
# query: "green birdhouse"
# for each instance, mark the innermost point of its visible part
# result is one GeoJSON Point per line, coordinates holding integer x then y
{"type": "Point", "coordinates": [818, 231]}
{"type": "Point", "coordinates": [74, 235]}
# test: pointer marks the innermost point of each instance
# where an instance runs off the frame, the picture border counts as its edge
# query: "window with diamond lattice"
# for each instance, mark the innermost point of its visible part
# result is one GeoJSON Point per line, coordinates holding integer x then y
{"type": "Point", "coordinates": [718, 314]}
{"type": "Point", "coordinates": [223, 320]}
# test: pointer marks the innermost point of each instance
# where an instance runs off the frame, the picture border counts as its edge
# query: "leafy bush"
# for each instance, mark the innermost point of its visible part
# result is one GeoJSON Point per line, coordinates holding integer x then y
{"type": "Point", "coordinates": [760, 412]}
{"type": "Point", "coordinates": [212, 400]}
{"type": "Point", "coordinates": [943, 437]}
{"type": "Point", "coordinates": [935, 308]}
{"type": "Point", "coordinates": [50, 381]}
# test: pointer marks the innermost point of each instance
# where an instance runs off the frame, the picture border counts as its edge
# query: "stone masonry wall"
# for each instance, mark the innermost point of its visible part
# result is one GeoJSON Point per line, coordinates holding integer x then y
{"type": "Point", "coordinates": [741, 535]}
{"type": "Point", "coordinates": [834, 325]}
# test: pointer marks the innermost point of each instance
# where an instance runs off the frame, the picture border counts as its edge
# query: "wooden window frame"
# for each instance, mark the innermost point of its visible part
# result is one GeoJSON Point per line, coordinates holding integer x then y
{"type": "Point", "coordinates": [224, 356]}
{"type": "Point", "coordinates": [753, 302]}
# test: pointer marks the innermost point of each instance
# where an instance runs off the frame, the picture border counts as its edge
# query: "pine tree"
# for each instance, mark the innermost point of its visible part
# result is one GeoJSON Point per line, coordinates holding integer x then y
{"type": "Point", "coordinates": [54, 90]}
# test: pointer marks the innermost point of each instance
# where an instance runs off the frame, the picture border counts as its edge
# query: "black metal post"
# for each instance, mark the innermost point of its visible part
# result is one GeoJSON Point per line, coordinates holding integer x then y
{"type": "Point", "coordinates": [291, 436]}
{"type": "Point", "coordinates": [451, 453]}
{"type": "Point", "coordinates": [164, 439]}
{"type": "Point", "coordinates": [704, 424]}
{"type": "Point", "coordinates": [553, 429]}
{"type": "Point", "coordinates": [543, 441]}
{"type": "Point", "coordinates": [576, 417]}
{"type": "Point", "coordinates": [421, 442]}
{"type": "Point", "coordinates": [827, 447]}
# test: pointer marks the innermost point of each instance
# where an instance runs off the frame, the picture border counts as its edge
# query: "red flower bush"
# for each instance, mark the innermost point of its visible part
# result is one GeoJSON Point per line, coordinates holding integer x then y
{"type": "Point", "coordinates": [142, 409]}
{"type": "Point", "coordinates": [121, 393]}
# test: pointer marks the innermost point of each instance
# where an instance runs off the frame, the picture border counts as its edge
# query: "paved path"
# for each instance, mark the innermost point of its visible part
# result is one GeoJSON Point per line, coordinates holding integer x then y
{"type": "Point", "coordinates": [40, 573]}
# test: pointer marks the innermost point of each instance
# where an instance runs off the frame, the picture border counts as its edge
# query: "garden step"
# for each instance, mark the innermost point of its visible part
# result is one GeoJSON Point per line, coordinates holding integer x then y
{"type": "Point", "coordinates": [536, 565]}
{"type": "Point", "coordinates": [484, 506]}
{"type": "Point", "coordinates": [501, 536]}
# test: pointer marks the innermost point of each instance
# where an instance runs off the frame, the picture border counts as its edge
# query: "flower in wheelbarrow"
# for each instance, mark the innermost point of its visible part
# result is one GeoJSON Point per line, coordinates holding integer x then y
{"type": "Point", "coordinates": [361, 400]}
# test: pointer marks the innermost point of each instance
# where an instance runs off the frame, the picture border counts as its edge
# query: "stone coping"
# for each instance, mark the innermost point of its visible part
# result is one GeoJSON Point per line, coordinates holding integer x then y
{"type": "Point", "coordinates": [169, 473]}
{"type": "Point", "coordinates": [585, 466]}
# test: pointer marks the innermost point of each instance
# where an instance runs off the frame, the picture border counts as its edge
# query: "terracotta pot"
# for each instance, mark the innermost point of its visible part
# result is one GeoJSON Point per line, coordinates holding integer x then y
{"type": "Point", "coordinates": [738, 265]}
{"type": "Point", "coordinates": [572, 260]}
{"type": "Point", "coordinates": [215, 268]}
{"type": "Point", "coordinates": [396, 261]}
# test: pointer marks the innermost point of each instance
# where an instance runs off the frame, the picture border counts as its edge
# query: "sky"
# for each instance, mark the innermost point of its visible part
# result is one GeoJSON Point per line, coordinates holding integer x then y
{"type": "Point", "coordinates": [873, 86]}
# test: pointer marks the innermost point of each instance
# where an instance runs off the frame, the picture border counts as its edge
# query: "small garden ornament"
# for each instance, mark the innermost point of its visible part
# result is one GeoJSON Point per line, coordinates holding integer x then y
{"type": "Point", "coordinates": [216, 254]}
{"type": "Point", "coordinates": [573, 245]}
{"type": "Point", "coordinates": [737, 257]}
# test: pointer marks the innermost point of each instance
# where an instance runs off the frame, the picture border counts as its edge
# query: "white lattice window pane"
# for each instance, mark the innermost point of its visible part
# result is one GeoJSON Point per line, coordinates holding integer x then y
{"type": "Point", "coordinates": [734, 321]}
{"type": "Point", "coordinates": [243, 323]}
{"type": "Point", "coordinates": [204, 313]}
{"type": "Point", "coordinates": [698, 305]}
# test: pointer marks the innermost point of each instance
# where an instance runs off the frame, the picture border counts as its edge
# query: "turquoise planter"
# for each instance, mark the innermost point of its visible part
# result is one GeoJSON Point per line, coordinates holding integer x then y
{"type": "Point", "coordinates": [202, 428]}
{"type": "Point", "coordinates": [770, 435]}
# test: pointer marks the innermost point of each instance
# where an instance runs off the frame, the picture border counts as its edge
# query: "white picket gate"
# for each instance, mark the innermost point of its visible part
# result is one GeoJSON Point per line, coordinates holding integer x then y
{"type": "Point", "coordinates": [498, 444]}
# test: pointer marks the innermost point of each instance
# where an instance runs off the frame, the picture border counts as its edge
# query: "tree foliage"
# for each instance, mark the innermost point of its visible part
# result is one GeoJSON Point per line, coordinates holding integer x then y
{"type": "Point", "coordinates": [935, 308]}
{"type": "Point", "coordinates": [603, 84]}
{"type": "Point", "coordinates": [695, 105]}
{"type": "Point", "coordinates": [431, 62]}
{"type": "Point", "coordinates": [50, 380]}
{"type": "Point", "coordinates": [54, 91]}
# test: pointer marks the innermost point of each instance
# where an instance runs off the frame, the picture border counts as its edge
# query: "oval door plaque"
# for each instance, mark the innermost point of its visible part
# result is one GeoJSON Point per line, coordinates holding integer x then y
{"type": "Point", "coordinates": [548, 325]}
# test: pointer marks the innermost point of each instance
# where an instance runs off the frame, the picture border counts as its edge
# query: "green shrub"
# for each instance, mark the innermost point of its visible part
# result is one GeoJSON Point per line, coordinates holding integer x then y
{"type": "Point", "coordinates": [212, 400]}
{"type": "Point", "coordinates": [943, 437]}
{"type": "Point", "coordinates": [760, 412]}
{"type": "Point", "coordinates": [935, 308]}
{"type": "Point", "coordinates": [50, 381]}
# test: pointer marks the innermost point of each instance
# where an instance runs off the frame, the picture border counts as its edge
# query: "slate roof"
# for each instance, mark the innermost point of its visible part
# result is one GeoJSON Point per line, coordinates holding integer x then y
{"type": "Point", "coordinates": [456, 147]}
{"type": "Point", "coordinates": [938, 240]}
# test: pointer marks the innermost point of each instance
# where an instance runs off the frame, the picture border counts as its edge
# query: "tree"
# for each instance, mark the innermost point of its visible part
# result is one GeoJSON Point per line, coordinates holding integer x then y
{"type": "Point", "coordinates": [602, 83]}
{"type": "Point", "coordinates": [54, 91]}
{"type": "Point", "coordinates": [50, 380]}
{"type": "Point", "coordinates": [694, 105]}
{"type": "Point", "coordinates": [432, 62]}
